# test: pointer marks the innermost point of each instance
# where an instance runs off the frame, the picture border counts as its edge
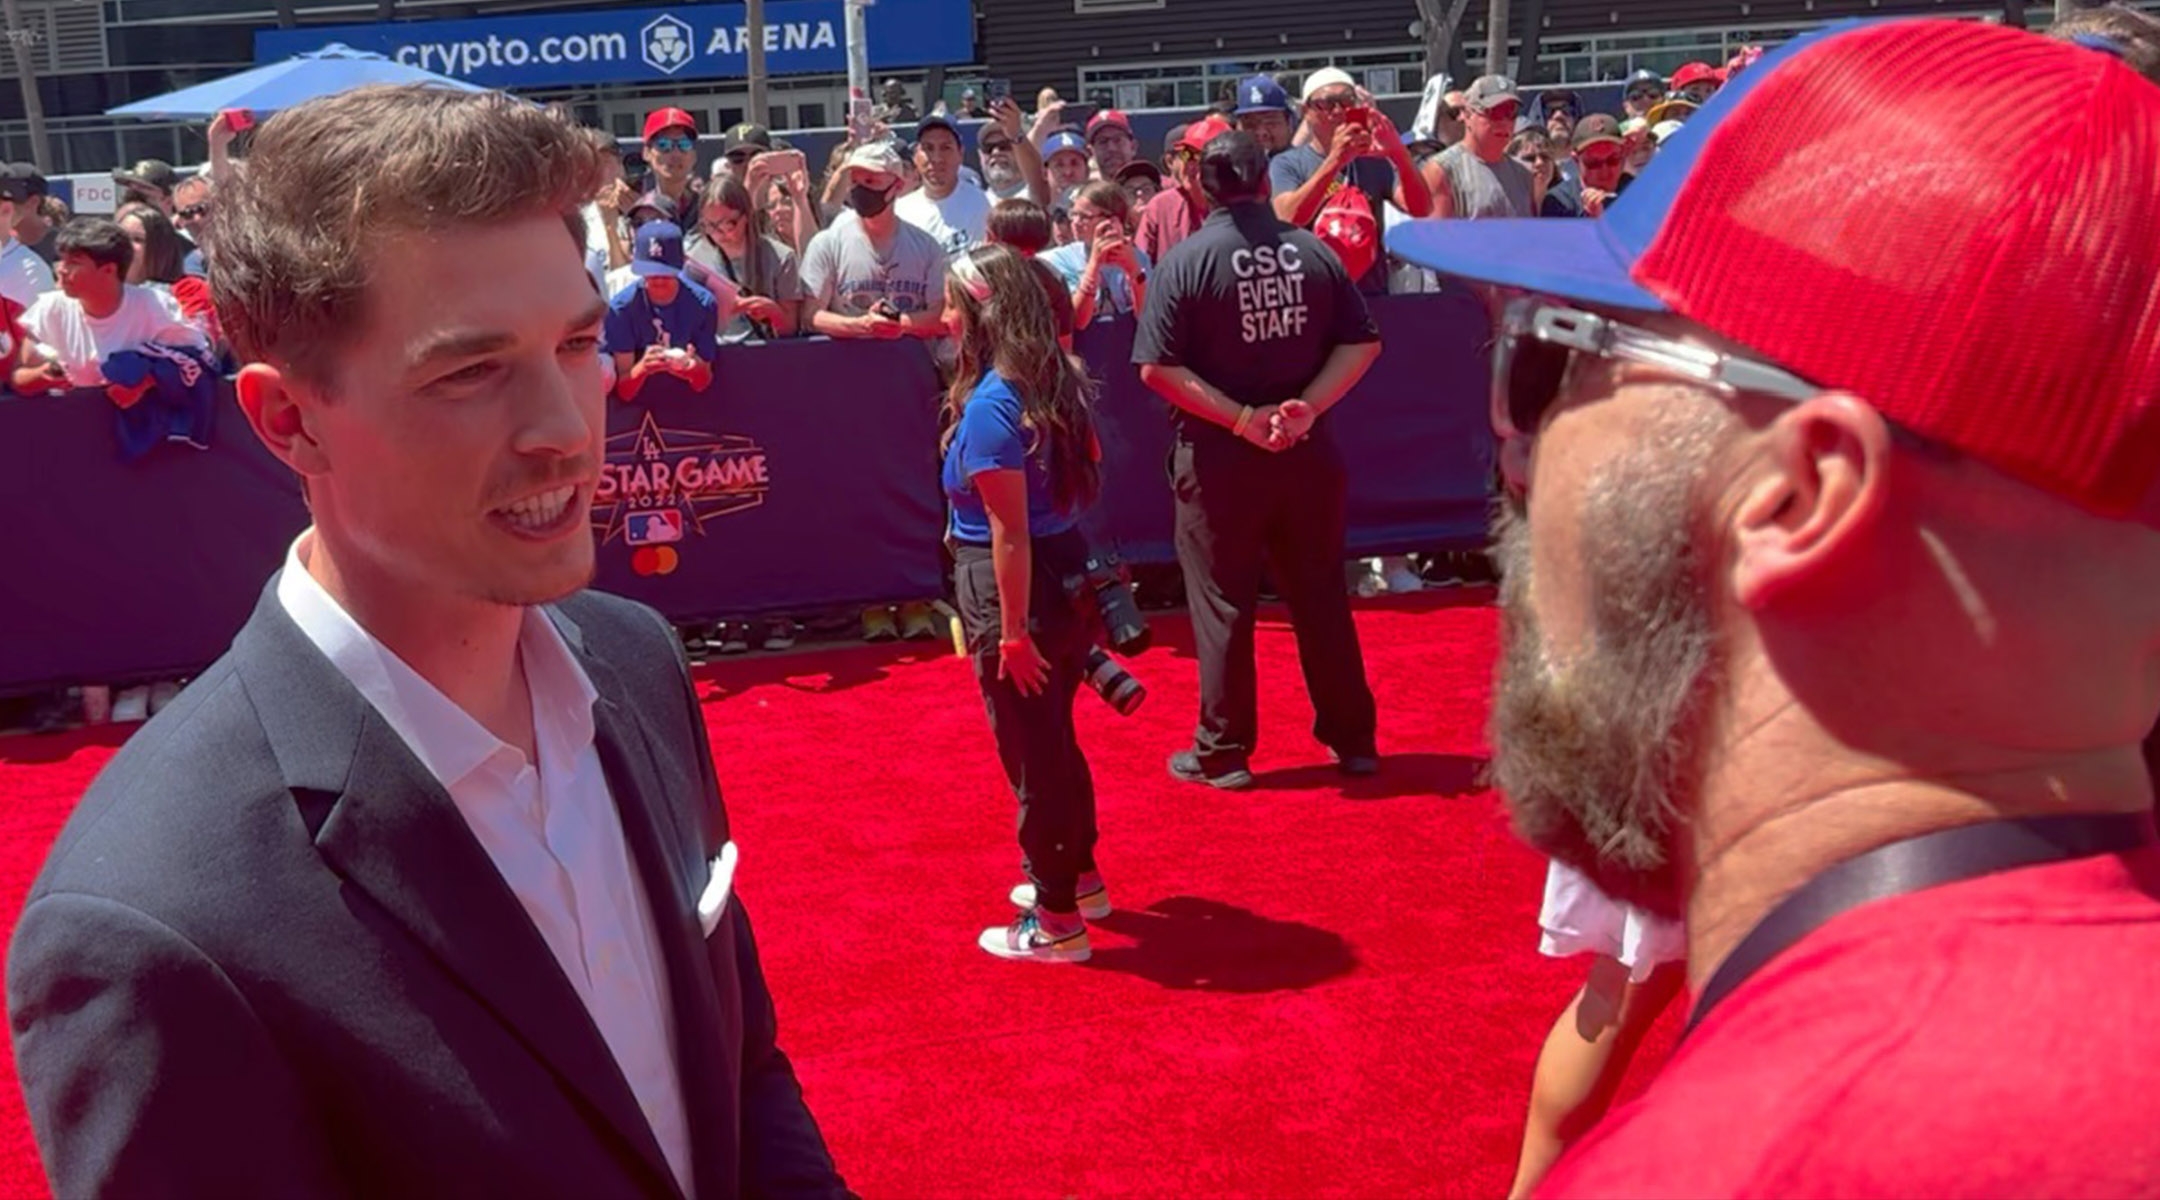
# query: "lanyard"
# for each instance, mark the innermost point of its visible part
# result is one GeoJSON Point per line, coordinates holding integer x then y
{"type": "Point", "coordinates": [1916, 864]}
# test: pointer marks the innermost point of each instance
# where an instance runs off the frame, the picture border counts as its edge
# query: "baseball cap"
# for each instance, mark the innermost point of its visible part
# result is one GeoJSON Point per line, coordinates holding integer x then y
{"type": "Point", "coordinates": [149, 173]}
{"type": "Point", "coordinates": [1595, 128]}
{"type": "Point", "coordinates": [660, 120]}
{"type": "Point", "coordinates": [1259, 94]}
{"type": "Point", "coordinates": [876, 156]}
{"type": "Point", "coordinates": [1108, 118]}
{"type": "Point", "coordinates": [754, 136]}
{"type": "Point", "coordinates": [1172, 140]}
{"type": "Point", "coordinates": [2012, 317]}
{"type": "Point", "coordinates": [31, 177]}
{"type": "Point", "coordinates": [655, 202]}
{"type": "Point", "coordinates": [1694, 72]}
{"type": "Point", "coordinates": [1200, 133]}
{"type": "Point", "coordinates": [1062, 141]}
{"type": "Point", "coordinates": [1672, 108]}
{"type": "Point", "coordinates": [1643, 76]}
{"type": "Point", "coordinates": [1488, 92]}
{"type": "Point", "coordinates": [939, 121]}
{"type": "Point", "coordinates": [1139, 168]}
{"type": "Point", "coordinates": [14, 188]}
{"type": "Point", "coordinates": [658, 250]}
{"type": "Point", "coordinates": [1326, 77]}
{"type": "Point", "coordinates": [195, 264]}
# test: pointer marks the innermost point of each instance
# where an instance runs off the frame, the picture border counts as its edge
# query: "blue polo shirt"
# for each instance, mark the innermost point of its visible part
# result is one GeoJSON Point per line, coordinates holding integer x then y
{"type": "Point", "coordinates": [990, 437]}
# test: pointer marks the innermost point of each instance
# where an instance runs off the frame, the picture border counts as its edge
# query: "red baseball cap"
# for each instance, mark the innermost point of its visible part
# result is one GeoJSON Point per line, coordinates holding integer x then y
{"type": "Point", "coordinates": [1829, 210]}
{"type": "Point", "coordinates": [1108, 117]}
{"type": "Point", "coordinates": [1695, 72]}
{"type": "Point", "coordinates": [660, 120]}
{"type": "Point", "coordinates": [1200, 133]}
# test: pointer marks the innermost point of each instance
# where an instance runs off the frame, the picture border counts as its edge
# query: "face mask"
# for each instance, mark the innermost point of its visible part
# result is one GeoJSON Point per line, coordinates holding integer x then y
{"type": "Point", "coordinates": [868, 202]}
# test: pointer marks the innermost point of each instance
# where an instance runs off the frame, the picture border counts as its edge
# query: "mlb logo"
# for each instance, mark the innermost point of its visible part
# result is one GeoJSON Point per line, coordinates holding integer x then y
{"type": "Point", "coordinates": [653, 528]}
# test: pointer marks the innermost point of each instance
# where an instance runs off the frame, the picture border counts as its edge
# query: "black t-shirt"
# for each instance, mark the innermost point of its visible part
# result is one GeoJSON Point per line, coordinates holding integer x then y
{"type": "Point", "coordinates": [1253, 306]}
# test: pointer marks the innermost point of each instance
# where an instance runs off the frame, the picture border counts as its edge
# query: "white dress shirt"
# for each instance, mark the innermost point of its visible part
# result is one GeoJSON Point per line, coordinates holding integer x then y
{"type": "Point", "coordinates": [551, 829]}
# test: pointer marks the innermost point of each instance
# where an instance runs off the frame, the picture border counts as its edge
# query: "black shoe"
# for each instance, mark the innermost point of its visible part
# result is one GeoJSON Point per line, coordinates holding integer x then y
{"type": "Point", "coordinates": [1185, 767]}
{"type": "Point", "coordinates": [1358, 765]}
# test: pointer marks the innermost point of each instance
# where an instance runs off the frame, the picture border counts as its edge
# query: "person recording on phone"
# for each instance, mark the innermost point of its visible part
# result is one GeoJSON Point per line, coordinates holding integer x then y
{"type": "Point", "coordinates": [1352, 144]}
{"type": "Point", "coordinates": [730, 243]}
{"type": "Point", "coordinates": [1106, 273]}
{"type": "Point", "coordinates": [663, 324]}
{"type": "Point", "coordinates": [1021, 467]}
{"type": "Point", "coordinates": [1253, 332]}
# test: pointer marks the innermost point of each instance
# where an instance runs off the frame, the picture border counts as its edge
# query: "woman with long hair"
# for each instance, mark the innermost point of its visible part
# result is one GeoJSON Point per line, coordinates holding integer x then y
{"type": "Point", "coordinates": [160, 252]}
{"type": "Point", "coordinates": [764, 271]}
{"type": "Point", "coordinates": [1021, 466]}
{"type": "Point", "coordinates": [1023, 225]}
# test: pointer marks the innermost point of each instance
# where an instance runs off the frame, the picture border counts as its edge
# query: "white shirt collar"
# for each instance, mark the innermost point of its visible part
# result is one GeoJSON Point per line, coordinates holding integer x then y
{"type": "Point", "coordinates": [445, 738]}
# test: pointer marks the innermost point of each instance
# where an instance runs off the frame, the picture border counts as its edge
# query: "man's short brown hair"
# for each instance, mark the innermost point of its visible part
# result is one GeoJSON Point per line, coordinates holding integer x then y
{"type": "Point", "coordinates": [326, 181]}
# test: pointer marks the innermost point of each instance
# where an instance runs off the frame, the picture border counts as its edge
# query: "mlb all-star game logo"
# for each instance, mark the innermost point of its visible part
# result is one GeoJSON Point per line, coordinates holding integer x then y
{"type": "Point", "coordinates": [666, 43]}
{"type": "Point", "coordinates": [659, 485]}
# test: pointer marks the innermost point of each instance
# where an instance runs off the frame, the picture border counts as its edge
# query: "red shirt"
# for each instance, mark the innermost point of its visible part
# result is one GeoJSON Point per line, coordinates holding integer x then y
{"type": "Point", "coordinates": [1988, 1038]}
{"type": "Point", "coordinates": [1168, 218]}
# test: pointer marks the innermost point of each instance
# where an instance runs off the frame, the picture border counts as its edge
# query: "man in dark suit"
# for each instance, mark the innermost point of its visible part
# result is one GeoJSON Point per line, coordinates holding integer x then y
{"type": "Point", "coordinates": [422, 889]}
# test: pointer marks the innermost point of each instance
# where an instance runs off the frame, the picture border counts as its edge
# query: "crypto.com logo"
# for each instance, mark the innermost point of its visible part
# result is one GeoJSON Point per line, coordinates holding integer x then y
{"type": "Point", "coordinates": [667, 45]}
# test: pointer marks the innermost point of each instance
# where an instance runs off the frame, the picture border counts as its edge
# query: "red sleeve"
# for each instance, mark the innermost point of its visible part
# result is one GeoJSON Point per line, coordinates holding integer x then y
{"type": "Point", "coordinates": [11, 315]}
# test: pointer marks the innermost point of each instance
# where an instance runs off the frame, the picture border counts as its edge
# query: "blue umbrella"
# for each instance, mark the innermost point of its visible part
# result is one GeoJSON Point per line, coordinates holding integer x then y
{"type": "Point", "coordinates": [334, 68]}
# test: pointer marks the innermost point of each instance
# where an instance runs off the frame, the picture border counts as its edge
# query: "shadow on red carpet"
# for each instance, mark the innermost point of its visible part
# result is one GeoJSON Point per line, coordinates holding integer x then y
{"type": "Point", "coordinates": [1320, 987]}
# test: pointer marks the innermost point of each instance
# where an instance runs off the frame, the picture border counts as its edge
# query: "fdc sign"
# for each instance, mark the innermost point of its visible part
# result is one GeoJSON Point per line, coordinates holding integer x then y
{"type": "Point", "coordinates": [698, 41]}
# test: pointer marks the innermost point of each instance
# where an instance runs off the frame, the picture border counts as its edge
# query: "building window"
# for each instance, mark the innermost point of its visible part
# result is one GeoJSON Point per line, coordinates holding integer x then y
{"type": "Point", "coordinates": [1393, 71]}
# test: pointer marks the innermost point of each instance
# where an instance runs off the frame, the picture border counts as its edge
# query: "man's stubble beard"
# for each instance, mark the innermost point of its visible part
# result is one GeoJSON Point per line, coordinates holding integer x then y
{"type": "Point", "coordinates": [1600, 758]}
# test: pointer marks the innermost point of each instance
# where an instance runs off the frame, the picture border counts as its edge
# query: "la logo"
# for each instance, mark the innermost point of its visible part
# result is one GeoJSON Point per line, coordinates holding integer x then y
{"type": "Point", "coordinates": [655, 251]}
{"type": "Point", "coordinates": [1257, 96]}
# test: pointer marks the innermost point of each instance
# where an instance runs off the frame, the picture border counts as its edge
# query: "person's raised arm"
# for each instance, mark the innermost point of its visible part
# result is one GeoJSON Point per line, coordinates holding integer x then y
{"type": "Point", "coordinates": [1301, 203]}
{"type": "Point", "coordinates": [1412, 195]}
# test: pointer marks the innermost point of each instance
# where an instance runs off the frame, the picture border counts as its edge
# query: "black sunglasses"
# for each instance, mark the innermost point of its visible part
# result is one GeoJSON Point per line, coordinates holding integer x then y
{"type": "Point", "coordinates": [192, 211]}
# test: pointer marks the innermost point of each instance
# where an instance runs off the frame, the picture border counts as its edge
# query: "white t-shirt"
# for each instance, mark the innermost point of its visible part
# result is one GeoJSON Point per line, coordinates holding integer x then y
{"type": "Point", "coordinates": [83, 342]}
{"type": "Point", "coordinates": [957, 222]}
{"type": "Point", "coordinates": [23, 275]}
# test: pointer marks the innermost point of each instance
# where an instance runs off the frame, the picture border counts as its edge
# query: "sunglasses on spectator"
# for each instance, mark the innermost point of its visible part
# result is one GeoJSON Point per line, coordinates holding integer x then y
{"type": "Point", "coordinates": [1502, 112]}
{"type": "Point", "coordinates": [1598, 162]}
{"type": "Point", "coordinates": [739, 157]}
{"type": "Point", "coordinates": [996, 145]}
{"type": "Point", "coordinates": [1541, 339]}
{"type": "Point", "coordinates": [192, 211]}
{"type": "Point", "coordinates": [1333, 103]}
{"type": "Point", "coordinates": [684, 144]}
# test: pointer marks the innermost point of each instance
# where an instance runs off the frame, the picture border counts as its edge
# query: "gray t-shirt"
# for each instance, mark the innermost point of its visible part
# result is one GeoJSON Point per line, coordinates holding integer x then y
{"type": "Point", "coordinates": [843, 273]}
{"type": "Point", "coordinates": [774, 275]}
{"type": "Point", "coordinates": [1482, 189]}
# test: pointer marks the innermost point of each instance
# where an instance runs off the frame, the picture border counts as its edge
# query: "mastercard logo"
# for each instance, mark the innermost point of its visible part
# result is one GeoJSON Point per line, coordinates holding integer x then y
{"type": "Point", "coordinates": [655, 560]}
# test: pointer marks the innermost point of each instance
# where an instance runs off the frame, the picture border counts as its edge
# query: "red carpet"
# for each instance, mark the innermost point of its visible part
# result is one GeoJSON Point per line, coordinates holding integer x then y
{"type": "Point", "coordinates": [1319, 988]}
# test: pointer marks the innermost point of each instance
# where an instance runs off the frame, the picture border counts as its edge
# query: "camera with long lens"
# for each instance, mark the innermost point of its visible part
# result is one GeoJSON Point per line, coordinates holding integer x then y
{"type": "Point", "coordinates": [1114, 683]}
{"type": "Point", "coordinates": [1102, 582]}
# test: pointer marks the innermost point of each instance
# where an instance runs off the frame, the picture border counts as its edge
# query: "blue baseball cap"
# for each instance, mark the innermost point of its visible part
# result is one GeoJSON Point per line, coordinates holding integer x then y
{"type": "Point", "coordinates": [1063, 140]}
{"type": "Point", "coordinates": [658, 250]}
{"type": "Point", "coordinates": [1260, 93]}
{"type": "Point", "coordinates": [1594, 260]}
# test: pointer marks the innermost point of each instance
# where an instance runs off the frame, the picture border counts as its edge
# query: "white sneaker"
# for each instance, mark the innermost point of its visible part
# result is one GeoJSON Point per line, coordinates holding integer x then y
{"type": "Point", "coordinates": [1368, 582]}
{"type": "Point", "coordinates": [162, 694]}
{"type": "Point", "coordinates": [131, 705]}
{"type": "Point", "coordinates": [1399, 578]}
{"type": "Point", "coordinates": [1094, 905]}
{"type": "Point", "coordinates": [1024, 940]}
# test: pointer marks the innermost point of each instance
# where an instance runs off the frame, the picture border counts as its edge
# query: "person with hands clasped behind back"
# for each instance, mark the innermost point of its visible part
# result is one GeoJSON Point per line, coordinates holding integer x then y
{"type": "Point", "coordinates": [662, 324]}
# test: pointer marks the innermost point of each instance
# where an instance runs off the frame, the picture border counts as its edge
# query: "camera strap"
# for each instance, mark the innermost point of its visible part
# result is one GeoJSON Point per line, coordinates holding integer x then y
{"type": "Point", "coordinates": [1913, 865]}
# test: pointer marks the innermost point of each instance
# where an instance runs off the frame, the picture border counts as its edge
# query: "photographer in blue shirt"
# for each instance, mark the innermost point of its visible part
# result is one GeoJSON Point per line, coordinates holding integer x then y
{"type": "Point", "coordinates": [1021, 466]}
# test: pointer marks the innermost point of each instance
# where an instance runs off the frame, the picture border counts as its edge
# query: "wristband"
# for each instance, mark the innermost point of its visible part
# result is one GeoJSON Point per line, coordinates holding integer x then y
{"type": "Point", "coordinates": [1008, 643]}
{"type": "Point", "coordinates": [1243, 419]}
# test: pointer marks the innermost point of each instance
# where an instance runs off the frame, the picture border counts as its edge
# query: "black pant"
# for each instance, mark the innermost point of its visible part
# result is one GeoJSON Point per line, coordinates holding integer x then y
{"type": "Point", "coordinates": [1035, 737]}
{"type": "Point", "coordinates": [1239, 507]}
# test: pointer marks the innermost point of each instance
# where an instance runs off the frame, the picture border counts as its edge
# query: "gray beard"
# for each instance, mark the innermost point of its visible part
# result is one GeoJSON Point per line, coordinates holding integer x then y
{"type": "Point", "coordinates": [1600, 759]}
{"type": "Point", "coordinates": [1002, 180]}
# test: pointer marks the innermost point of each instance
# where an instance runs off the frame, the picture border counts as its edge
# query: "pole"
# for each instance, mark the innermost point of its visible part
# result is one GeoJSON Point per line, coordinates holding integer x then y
{"type": "Point", "coordinates": [1496, 57]}
{"type": "Point", "coordinates": [858, 63]}
{"type": "Point", "coordinates": [754, 15]}
{"type": "Point", "coordinates": [20, 38]}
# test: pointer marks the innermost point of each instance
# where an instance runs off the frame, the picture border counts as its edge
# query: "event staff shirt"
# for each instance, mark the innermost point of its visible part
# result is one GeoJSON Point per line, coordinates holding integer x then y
{"type": "Point", "coordinates": [1483, 189]}
{"type": "Point", "coordinates": [548, 825]}
{"type": "Point", "coordinates": [83, 342]}
{"type": "Point", "coordinates": [957, 222]}
{"type": "Point", "coordinates": [844, 273]}
{"type": "Point", "coordinates": [1114, 289]}
{"type": "Point", "coordinates": [1253, 306]}
{"type": "Point", "coordinates": [1986, 1038]}
{"type": "Point", "coordinates": [634, 322]}
{"type": "Point", "coordinates": [991, 437]}
{"type": "Point", "coordinates": [1374, 176]}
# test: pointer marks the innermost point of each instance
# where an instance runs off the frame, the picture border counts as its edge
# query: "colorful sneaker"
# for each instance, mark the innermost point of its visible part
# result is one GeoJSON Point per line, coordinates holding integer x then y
{"type": "Point", "coordinates": [917, 622]}
{"type": "Point", "coordinates": [877, 625]}
{"type": "Point", "coordinates": [1094, 905]}
{"type": "Point", "coordinates": [1025, 939]}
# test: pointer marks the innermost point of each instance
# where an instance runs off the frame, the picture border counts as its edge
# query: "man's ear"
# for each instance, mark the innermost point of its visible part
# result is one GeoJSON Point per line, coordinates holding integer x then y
{"type": "Point", "coordinates": [281, 411]}
{"type": "Point", "coordinates": [1817, 483]}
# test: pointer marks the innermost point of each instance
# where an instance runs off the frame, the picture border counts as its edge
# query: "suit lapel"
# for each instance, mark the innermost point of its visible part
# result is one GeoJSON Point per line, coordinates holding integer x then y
{"type": "Point", "coordinates": [673, 870]}
{"type": "Point", "coordinates": [394, 834]}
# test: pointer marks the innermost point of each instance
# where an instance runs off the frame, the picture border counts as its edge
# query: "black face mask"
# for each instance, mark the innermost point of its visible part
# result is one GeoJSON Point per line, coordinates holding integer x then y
{"type": "Point", "coordinates": [868, 202]}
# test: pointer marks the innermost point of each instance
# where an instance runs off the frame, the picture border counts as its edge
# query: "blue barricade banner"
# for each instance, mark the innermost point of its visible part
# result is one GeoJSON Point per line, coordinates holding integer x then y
{"type": "Point", "coordinates": [649, 45]}
{"type": "Point", "coordinates": [805, 479]}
